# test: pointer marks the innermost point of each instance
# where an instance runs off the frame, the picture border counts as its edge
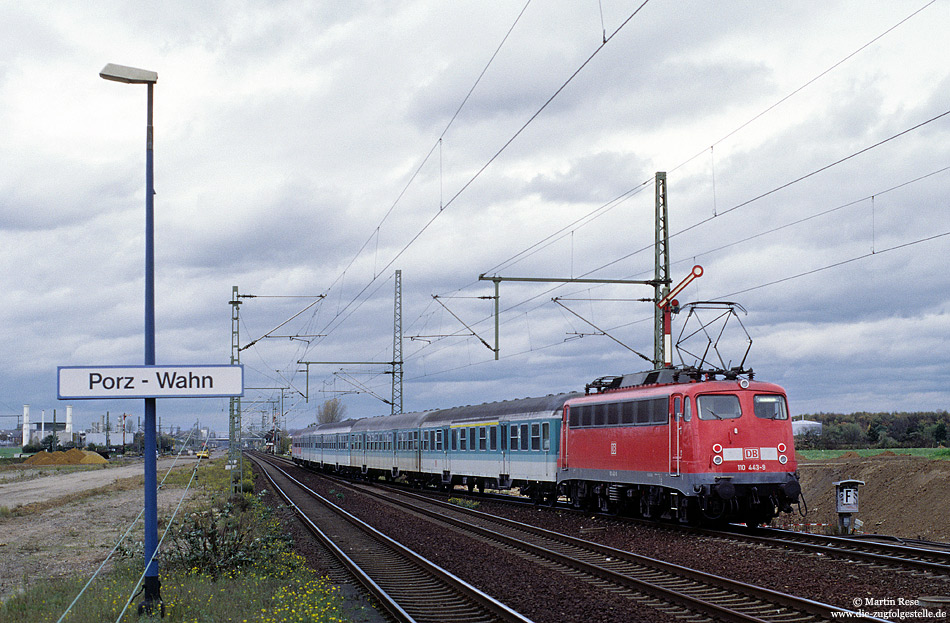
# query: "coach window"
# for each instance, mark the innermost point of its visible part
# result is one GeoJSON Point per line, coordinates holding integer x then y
{"type": "Point", "coordinates": [482, 438]}
{"type": "Point", "coordinates": [514, 437]}
{"type": "Point", "coordinates": [613, 413]}
{"type": "Point", "coordinates": [770, 407]}
{"type": "Point", "coordinates": [642, 410]}
{"type": "Point", "coordinates": [492, 438]}
{"type": "Point", "coordinates": [718, 407]}
{"type": "Point", "coordinates": [472, 438]}
{"type": "Point", "coordinates": [535, 436]}
{"type": "Point", "coordinates": [628, 413]}
{"type": "Point", "coordinates": [463, 439]}
{"type": "Point", "coordinates": [525, 439]}
{"type": "Point", "coordinates": [438, 440]}
{"type": "Point", "coordinates": [546, 436]}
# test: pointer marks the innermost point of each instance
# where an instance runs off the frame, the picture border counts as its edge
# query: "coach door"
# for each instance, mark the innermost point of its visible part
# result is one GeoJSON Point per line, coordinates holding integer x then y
{"type": "Point", "coordinates": [676, 433]}
{"type": "Point", "coordinates": [503, 432]}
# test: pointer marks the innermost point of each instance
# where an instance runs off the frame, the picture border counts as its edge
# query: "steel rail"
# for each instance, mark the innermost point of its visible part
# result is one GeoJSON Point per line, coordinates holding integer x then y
{"type": "Point", "coordinates": [613, 565]}
{"type": "Point", "coordinates": [887, 554]}
{"type": "Point", "coordinates": [396, 594]}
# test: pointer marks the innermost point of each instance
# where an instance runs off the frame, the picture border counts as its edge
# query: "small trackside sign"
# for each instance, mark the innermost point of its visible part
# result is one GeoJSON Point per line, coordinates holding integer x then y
{"type": "Point", "coordinates": [183, 381]}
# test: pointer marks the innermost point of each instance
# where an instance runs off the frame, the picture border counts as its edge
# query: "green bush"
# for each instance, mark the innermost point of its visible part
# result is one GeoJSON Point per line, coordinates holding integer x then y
{"type": "Point", "coordinates": [241, 533]}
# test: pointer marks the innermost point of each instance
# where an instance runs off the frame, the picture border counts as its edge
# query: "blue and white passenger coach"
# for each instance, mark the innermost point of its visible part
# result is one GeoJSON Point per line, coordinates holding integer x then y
{"type": "Point", "coordinates": [497, 445]}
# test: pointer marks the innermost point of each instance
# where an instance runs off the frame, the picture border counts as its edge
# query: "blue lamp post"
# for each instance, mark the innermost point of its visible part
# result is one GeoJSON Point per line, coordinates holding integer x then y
{"type": "Point", "coordinates": [152, 598]}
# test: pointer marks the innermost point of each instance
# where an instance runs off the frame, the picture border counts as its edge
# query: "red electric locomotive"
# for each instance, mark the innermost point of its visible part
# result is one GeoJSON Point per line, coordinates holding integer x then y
{"type": "Point", "coordinates": [680, 443]}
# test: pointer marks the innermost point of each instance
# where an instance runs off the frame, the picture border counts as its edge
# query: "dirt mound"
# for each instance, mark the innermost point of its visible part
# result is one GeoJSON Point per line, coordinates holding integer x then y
{"type": "Point", "coordinates": [885, 453]}
{"type": "Point", "coordinates": [899, 496]}
{"type": "Point", "coordinates": [850, 454]}
{"type": "Point", "coordinates": [72, 456]}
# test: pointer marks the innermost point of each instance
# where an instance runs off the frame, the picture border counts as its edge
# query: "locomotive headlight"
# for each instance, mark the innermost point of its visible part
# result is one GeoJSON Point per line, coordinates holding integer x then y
{"type": "Point", "coordinates": [781, 447]}
{"type": "Point", "coordinates": [782, 459]}
{"type": "Point", "coordinates": [717, 448]}
{"type": "Point", "coordinates": [717, 460]}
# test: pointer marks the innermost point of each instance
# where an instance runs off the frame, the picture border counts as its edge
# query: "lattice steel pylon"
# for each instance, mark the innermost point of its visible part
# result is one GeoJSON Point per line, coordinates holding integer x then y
{"type": "Point", "coordinates": [662, 270]}
{"type": "Point", "coordinates": [397, 346]}
{"type": "Point", "coordinates": [234, 410]}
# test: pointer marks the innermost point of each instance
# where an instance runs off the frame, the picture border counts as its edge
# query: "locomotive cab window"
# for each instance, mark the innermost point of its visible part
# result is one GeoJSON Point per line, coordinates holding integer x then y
{"type": "Point", "coordinates": [718, 407]}
{"type": "Point", "coordinates": [770, 407]}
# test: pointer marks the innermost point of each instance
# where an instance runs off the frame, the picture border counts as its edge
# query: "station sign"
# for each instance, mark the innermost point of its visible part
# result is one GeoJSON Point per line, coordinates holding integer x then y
{"type": "Point", "coordinates": [182, 381]}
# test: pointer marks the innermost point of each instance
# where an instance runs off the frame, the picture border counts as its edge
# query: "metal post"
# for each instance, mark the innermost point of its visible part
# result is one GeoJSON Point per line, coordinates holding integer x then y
{"type": "Point", "coordinates": [497, 308]}
{"type": "Point", "coordinates": [662, 272]}
{"type": "Point", "coordinates": [234, 412]}
{"type": "Point", "coordinates": [397, 346]}
{"type": "Point", "coordinates": [153, 595]}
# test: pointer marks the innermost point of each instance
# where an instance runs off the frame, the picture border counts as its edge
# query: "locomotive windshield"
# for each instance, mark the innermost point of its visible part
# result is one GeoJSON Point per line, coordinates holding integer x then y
{"type": "Point", "coordinates": [770, 407]}
{"type": "Point", "coordinates": [718, 407]}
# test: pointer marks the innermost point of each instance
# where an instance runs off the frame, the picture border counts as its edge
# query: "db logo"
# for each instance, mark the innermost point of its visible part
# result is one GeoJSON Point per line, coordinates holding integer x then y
{"type": "Point", "coordinates": [751, 453]}
{"type": "Point", "coordinates": [613, 447]}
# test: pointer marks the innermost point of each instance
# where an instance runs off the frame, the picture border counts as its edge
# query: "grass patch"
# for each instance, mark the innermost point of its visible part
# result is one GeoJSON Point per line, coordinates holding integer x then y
{"type": "Point", "coordinates": [286, 591]}
{"type": "Point", "coordinates": [229, 560]}
{"type": "Point", "coordinates": [464, 502]}
{"type": "Point", "coordinates": [928, 453]}
{"type": "Point", "coordinates": [7, 452]}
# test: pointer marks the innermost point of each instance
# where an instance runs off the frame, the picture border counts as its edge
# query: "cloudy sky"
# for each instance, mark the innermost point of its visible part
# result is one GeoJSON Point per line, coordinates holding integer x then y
{"type": "Point", "coordinates": [308, 149]}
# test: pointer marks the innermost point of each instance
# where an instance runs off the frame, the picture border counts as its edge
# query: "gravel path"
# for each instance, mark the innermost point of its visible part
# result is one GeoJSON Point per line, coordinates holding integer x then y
{"type": "Point", "coordinates": [51, 483]}
{"type": "Point", "coordinates": [72, 534]}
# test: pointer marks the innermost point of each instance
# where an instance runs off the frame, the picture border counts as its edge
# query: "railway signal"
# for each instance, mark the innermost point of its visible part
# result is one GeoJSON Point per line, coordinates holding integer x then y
{"type": "Point", "coordinates": [666, 305]}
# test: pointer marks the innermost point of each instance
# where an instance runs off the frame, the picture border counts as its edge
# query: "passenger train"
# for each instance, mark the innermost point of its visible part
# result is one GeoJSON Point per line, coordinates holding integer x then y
{"type": "Point", "coordinates": [675, 443]}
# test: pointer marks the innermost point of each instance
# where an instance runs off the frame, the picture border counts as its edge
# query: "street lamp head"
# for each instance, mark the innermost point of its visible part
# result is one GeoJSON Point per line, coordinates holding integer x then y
{"type": "Point", "coordinates": [128, 75]}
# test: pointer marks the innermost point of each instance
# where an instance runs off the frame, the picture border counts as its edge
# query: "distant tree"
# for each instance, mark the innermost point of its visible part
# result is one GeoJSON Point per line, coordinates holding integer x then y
{"type": "Point", "coordinates": [330, 411]}
{"type": "Point", "coordinates": [940, 432]}
{"type": "Point", "coordinates": [51, 443]}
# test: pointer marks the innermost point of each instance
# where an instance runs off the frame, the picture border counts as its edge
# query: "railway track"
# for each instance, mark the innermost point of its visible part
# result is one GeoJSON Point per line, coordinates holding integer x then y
{"type": "Point", "coordinates": [903, 554]}
{"type": "Point", "coordinates": [683, 592]}
{"type": "Point", "coordinates": [891, 555]}
{"type": "Point", "coordinates": [407, 586]}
